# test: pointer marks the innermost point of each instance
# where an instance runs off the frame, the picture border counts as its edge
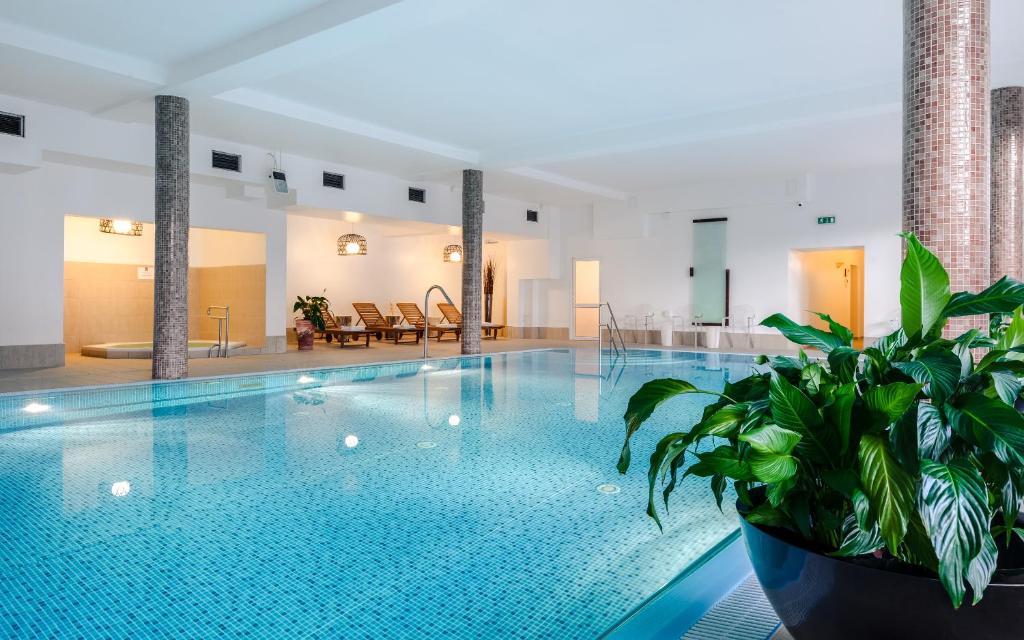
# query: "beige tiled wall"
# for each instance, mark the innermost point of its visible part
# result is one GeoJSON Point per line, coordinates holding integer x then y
{"type": "Point", "coordinates": [105, 303]}
{"type": "Point", "coordinates": [108, 303]}
{"type": "Point", "coordinates": [243, 288]}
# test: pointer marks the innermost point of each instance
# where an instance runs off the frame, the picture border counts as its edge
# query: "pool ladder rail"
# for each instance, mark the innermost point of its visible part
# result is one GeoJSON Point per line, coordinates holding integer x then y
{"type": "Point", "coordinates": [223, 317]}
{"type": "Point", "coordinates": [613, 332]}
{"type": "Point", "coordinates": [426, 315]}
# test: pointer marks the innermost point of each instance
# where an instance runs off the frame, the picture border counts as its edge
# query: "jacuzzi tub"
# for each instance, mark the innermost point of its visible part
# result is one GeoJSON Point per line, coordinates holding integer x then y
{"type": "Point", "coordinates": [144, 350]}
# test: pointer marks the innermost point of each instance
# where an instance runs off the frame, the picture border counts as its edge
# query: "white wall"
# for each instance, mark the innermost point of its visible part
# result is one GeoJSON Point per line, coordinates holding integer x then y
{"type": "Point", "coordinates": [645, 246]}
{"type": "Point", "coordinates": [394, 269]}
{"type": "Point", "coordinates": [83, 242]}
{"type": "Point", "coordinates": [73, 164]}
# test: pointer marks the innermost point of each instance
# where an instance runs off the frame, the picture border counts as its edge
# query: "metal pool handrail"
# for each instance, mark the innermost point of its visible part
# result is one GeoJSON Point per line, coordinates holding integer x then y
{"type": "Point", "coordinates": [426, 315]}
{"type": "Point", "coordinates": [613, 331]}
{"type": "Point", "coordinates": [223, 322]}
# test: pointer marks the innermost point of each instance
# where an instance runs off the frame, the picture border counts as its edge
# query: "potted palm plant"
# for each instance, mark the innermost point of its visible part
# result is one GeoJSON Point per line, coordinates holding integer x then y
{"type": "Point", "coordinates": [879, 490]}
{"type": "Point", "coordinates": [312, 320]}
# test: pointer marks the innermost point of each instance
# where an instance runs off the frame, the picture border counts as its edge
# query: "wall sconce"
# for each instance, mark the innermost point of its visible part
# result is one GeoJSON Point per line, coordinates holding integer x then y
{"type": "Point", "coordinates": [121, 227]}
{"type": "Point", "coordinates": [453, 253]}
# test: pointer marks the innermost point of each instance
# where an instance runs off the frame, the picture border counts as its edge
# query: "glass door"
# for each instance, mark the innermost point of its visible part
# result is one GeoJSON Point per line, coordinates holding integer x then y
{"type": "Point", "coordinates": [709, 279]}
{"type": "Point", "coordinates": [586, 299]}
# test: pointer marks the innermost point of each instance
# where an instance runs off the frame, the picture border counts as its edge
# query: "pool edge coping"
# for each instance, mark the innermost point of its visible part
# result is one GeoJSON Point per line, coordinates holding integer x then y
{"type": "Point", "coordinates": [136, 383]}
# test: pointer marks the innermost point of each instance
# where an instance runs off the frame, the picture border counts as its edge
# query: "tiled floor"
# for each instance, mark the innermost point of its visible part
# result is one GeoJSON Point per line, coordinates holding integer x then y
{"type": "Point", "coordinates": [82, 371]}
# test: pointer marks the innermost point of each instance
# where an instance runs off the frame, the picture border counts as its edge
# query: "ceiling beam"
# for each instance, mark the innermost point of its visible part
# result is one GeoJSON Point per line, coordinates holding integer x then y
{"type": "Point", "coordinates": [277, 105]}
{"type": "Point", "coordinates": [568, 183]}
{"type": "Point", "coordinates": [23, 38]}
{"type": "Point", "coordinates": [788, 114]}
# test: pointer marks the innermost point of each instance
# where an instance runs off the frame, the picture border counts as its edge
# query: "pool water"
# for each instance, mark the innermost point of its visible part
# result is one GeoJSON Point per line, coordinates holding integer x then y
{"type": "Point", "coordinates": [470, 498]}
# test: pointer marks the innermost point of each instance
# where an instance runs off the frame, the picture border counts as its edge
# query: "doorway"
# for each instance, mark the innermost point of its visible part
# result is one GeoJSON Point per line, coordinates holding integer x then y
{"type": "Point", "coordinates": [586, 299]}
{"type": "Point", "coordinates": [829, 281]}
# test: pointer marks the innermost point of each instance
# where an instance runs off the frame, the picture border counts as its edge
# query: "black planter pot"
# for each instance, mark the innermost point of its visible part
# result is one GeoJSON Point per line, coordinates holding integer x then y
{"type": "Point", "coordinates": [822, 598]}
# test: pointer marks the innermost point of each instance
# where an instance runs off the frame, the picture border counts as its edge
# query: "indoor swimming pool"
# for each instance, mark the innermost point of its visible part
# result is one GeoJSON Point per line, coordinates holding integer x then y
{"type": "Point", "coordinates": [464, 498]}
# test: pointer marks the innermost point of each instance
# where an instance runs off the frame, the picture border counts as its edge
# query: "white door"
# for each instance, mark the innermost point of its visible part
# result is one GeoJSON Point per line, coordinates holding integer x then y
{"type": "Point", "coordinates": [586, 299]}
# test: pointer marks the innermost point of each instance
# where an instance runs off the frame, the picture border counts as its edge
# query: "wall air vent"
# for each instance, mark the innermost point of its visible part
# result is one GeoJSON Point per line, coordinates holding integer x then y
{"type": "Point", "coordinates": [531, 215]}
{"type": "Point", "coordinates": [227, 161]}
{"type": "Point", "coordinates": [12, 124]}
{"type": "Point", "coordinates": [417, 195]}
{"type": "Point", "coordinates": [334, 180]}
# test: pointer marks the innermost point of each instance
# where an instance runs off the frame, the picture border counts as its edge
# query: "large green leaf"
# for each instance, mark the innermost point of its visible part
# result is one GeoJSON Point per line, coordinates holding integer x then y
{"type": "Point", "coordinates": [889, 488]}
{"type": "Point", "coordinates": [842, 362]}
{"type": "Point", "coordinates": [892, 400]}
{"type": "Point", "coordinates": [723, 461]}
{"type": "Point", "coordinates": [924, 288]}
{"type": "Point", "coordinates": [954, 508]}
{"type": "Point", "coordinates": [937, 367]}
{"type": "Point", "coordinates": [724, 422]}
{"type": "Point", "coordinates": [1013, 336]}
{"type": "Point", "coordinates": [1002, 297]}
{"type": "Point", "coordinates": [837, 329]}
{"type": "Point", "coordinates": [668, 450]}
{"type": "Point", "coordinates": [857, 541]}
{"type": "Point", "coordinates": [845, 481]}
{"type": "Point", "coordinates": [840, 413]}
{"type": "Point", "coordinates": [1006, 386]}
{"type": "Point", "coordinates": [995, 425]}
{"type": "Point", "coordinates": [933, 433]}
{"type": "Point", "coordinates": [793, 410]}
{"type": "Point", "coordinates": [983, 567]}
{"type": "Point", "coordinates": [643, 403]}
{"type": "Point", "coordinates": [771, 439]}
{"type": "Point", "coordinates": [772, 468]}
{"type": "Point", "coordinates": [803, 334]}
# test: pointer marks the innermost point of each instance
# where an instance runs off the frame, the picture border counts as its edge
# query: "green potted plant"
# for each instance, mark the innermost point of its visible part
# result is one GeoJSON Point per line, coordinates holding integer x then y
{"type": "Point", "coordinates": [878, 489]}
{"type": "Point", "coordinates": [312, 320]}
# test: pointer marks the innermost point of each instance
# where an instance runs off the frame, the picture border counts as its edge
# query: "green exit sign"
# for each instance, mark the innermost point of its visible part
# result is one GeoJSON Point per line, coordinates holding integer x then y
{"type": "Point", "coordinates": [826, 219]}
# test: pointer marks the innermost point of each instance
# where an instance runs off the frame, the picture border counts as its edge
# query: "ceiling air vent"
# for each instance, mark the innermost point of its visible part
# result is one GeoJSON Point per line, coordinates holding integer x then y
{"type": "Point", "coordinates": [531, 215]}
{"type": "Point", "coordinates": [417, 195]}
{"type": "Point", "coordinates": [227, 161]}
{"type": "Point", "coordinates": [334, 180]}
{"type": "Point", "coordinates": [12, 124]}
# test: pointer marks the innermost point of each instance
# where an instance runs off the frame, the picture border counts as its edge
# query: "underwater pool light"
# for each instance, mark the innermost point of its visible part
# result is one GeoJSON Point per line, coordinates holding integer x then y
{"type": "Point", "coordinates": [351, 441]}
{"type": "Point", "coordinates": [35, 407]}
{"type": "Point", "coordinates": [120, 489]}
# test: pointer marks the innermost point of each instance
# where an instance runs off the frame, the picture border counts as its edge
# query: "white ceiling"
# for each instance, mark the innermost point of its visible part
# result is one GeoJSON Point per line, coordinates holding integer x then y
{"type": "Point", "coordinates": [561, 101]}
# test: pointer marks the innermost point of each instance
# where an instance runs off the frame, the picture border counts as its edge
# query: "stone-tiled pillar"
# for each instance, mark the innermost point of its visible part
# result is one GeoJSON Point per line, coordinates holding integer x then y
{"type": "Point", "coordinates": [472, 258]}
{"type": "Point", "coordinates": [1008, 183]}
{"type": "Point", "coordinates": [946, 142]}
{"type": "Point", "coordinates": [170, 286]}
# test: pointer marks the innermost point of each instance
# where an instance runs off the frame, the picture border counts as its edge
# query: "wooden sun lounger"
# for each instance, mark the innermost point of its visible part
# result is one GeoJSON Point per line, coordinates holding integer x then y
{"type": "Point", "coordinates": [412, 314]}
{"type": "Point", "coordinates": [334, 330]}
{"type": "Point", "coordinates": [454, 316]}
{"type": "Point", "coordinates": [375, 323]}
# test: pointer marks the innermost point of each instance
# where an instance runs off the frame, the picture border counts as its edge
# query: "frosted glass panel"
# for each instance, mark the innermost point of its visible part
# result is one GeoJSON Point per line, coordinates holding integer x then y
{"type": "Point", "coordinates": [708, 280]}
{"type": "Point", "coordinates": [587, 319]}
{"type": "Point", "coordinates": [588, 282]}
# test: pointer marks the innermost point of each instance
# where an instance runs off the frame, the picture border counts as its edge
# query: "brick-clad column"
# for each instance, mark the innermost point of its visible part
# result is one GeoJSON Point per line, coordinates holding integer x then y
{"type": "Point", "coordinates": [1008, 183]}
{"type": "Point", "coordinates": [946, 142]}
{"type": "Point", "coordinates": [472, 258]}
{"type": "Point", "coordinates": [170, 286]}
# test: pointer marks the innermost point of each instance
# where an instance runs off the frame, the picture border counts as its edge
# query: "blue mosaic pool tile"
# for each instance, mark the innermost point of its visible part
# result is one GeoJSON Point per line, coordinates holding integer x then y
{"type": "Point", "coordinates": [248, 514]}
